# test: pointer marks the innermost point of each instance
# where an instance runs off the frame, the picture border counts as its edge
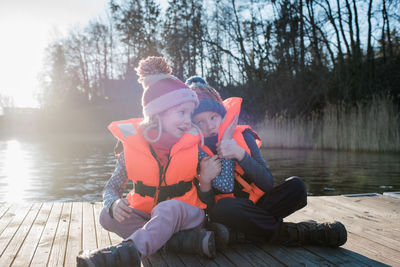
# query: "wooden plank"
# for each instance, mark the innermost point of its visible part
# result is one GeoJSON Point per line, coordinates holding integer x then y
{"type": "Point", "coordinates": [369, 251]}
{"type": "Point", "coordinates": [211, 262]}
{"type": "Point", "coordinates": [366, 215]}
{"type": "Point", "coordinates": [41, 256]}
{"type": "Point", "coordinates": [395, 195]}
{"type": "Point", "coordinates": [13, 247]}
{"type": "Point", "coordinates": [115, 239]}
{"type": "Point", "coordinates": [244, 251]}
{"type": "Point", "coordinates": [258, 253]}
{"type": "Point", "coordinates": [89, 240]}
{"type": "Point", "coordinates": [283, 256]}
{"type": "Point", "coordinates": [372, 250]}
{"type": "Point", "coordinates": [171, 258]}
{"type": "Point", "coordinates": [236, 258]}
{"type": "Point", "coordinates": [4, 208]}
{"type": "Point", "coordinates": [373, 236]}
{"type": "Point", "coordinates": [189, 259]}
{"type": "Point", "coordinates": [220, 260]}
{"type": "Point", "coordinates": [346, 252]}
{"type": "Point", "coordinates": [27, 250]}
{"type": "Point", "coordinates": [373, 230]}
{"type": "Point", "coordinates": [145, 263]}
{"type": "Point", "coordinates": [342, 256]}
{"type": "Point", "coordinates": [386, 209]}
{"type": "Point", "coordinates": [18, 214]}
{"type": "Point", "coordinates": [379, 203]}
{"type": "Point", "coordinates": [155, 260]}
{"type": "Point", "coordinates": [74, 242]}
{"type": "Point", "coordinates": [331, 254]}
{"type": "Point", "coordinates": [57, 254]}
{"type": "Point", "coordinates": [7, 217]}
{"type": "Point", "coordinates": [300, 256]}
{"type": "Point", "coordinates": [102, 235]}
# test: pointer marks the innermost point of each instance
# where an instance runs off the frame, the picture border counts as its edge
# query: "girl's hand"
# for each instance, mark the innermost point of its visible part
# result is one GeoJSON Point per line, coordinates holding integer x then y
{"type": "Point", "coordinates": [120, 209]}
{"type": "Point", "coordinates": [210, 167]}
{"type": "Point", "coordinates": [229, 149]}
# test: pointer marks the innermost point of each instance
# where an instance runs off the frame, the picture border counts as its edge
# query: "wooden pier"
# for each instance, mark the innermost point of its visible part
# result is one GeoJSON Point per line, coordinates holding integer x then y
{"type": "Point", "coordinates": [52, 234]}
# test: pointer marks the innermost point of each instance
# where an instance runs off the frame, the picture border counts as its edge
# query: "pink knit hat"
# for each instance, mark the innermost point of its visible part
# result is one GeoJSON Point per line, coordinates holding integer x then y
{"type": "Point", "coordinates": [161, 89]}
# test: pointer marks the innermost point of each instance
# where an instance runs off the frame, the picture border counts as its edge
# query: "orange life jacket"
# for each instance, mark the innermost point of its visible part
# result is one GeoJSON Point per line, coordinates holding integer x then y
{"type": "Point", "coordinates": [154, 183]}
{"type": "Point", "coordinates": [232, 106]}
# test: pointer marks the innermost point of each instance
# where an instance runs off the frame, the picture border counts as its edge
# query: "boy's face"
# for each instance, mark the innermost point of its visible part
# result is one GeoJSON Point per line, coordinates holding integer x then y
{"type": "Point", "coordinates": [208, 122]}
{"type": "Point", "coordinates": [177, 120]}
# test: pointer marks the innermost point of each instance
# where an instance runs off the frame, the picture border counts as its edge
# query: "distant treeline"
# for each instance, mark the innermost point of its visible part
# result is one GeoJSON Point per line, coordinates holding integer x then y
{"type": "Point", "coordinates": [291, 57]}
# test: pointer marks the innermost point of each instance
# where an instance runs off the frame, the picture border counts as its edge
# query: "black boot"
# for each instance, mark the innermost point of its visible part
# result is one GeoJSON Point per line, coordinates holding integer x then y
{"type": "Point", "coordinates": [193, 241]}
{"type": "Point", "coordinates": [124, 254]}
{"type": "Point", "coordinates": [221, 234]}
{"type": "Point", "coordinates": [312, 233]}
{"type": "Point", "coordinates": [237, 237]}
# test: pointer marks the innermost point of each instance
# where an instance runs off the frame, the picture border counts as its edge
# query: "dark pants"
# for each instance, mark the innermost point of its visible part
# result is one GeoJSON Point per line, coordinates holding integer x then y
{"type": "Point", "coordinates": [264, 217]}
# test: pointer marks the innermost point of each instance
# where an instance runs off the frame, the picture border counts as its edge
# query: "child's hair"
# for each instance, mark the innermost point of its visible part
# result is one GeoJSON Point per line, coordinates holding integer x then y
{"type": "Point", "coordinates": [210, 99]}
{"type": "Point", "coordinates": [162, 91]}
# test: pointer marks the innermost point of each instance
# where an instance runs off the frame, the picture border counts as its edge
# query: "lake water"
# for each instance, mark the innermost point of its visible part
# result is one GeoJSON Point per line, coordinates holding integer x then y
{"type": "Point", "coordinates": [75, 170]}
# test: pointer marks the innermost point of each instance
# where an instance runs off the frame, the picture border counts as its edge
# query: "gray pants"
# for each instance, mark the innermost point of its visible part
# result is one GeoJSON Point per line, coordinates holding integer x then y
{"type": "Point", "coordinates": [150, 232]}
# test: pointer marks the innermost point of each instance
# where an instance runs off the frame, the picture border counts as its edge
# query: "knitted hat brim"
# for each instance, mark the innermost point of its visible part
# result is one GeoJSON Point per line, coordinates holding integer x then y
{"type": "Point", "coordinates": [169, 100]}
{"type": "Point", "coordinates": [209, 105]}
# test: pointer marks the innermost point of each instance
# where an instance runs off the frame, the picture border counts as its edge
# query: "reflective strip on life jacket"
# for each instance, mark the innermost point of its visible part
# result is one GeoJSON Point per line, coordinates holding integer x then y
{"type": "Point", "coordinates": [127, 129]}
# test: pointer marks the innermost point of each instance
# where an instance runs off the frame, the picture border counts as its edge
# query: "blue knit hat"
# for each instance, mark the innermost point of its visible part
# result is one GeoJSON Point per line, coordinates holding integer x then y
{"type": "Point", "coordinates": [196, 80]}
{"type": "Point", "coordinates": [206, 103]}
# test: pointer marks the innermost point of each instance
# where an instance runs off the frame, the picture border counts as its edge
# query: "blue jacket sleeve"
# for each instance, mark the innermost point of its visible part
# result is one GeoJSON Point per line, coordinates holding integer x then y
{"type": "Point", "coordinates": [254, 166]}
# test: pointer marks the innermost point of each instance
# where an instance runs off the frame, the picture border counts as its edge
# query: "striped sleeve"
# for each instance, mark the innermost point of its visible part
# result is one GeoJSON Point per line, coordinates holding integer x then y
{"type": "Point", "coordinates": [116, 185]}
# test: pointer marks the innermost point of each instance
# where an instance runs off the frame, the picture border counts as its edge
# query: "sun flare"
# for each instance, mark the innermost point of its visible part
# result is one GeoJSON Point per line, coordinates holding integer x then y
{"type": "Point", "coordinates": [27, 27]}
{"type": "Point", "coordinates": [16, 169]}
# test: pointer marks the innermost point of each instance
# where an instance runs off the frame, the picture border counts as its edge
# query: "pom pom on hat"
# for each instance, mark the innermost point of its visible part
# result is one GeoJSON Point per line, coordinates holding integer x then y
{"type": "Point", "coordinates": [152, 65]}
{"type": "Point", "coordinates": [161, 89]}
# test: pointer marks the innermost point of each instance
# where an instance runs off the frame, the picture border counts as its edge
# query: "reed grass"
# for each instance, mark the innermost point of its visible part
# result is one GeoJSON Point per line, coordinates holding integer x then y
{"type": "Point", "coordinates": [372, 125]}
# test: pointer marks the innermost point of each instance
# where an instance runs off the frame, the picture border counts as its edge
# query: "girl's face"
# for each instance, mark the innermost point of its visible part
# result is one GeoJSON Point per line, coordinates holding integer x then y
{"type": "Point", "coordinates": [177, 120]}
{"type": "Point", "coordinates": [208, 122]}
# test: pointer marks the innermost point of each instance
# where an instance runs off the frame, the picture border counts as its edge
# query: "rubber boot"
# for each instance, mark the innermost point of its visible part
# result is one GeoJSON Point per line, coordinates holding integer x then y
{"type": "Point", "coordinates": [313, 233]}
{"type": "Point", "coordinates": [221, 234]}
{"type": "Point", "coordinates": [124, 254]}
{"type": "Point", "coordinates": [193, 241]}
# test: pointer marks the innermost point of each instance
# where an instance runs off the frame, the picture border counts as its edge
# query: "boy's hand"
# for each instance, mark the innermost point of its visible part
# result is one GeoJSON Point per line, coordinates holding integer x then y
{"type": "Point", "coordinates": [210, 167]}
{"type": "Point", "coordinates": [228, 134]}
{"type": "Point", "coordinates": [120, 209]}
{"type": "Point", "coordinates": [229, 149]}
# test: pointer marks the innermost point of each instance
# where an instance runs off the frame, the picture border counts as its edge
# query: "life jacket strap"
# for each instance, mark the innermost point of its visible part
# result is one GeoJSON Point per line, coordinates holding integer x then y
{"type": "Point", "coordinates": [165, 192]}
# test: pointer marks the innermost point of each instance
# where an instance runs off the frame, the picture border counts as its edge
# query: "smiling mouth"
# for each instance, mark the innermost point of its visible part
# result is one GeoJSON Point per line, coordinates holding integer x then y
{"type": "Point", "coordinates": [212, 133]}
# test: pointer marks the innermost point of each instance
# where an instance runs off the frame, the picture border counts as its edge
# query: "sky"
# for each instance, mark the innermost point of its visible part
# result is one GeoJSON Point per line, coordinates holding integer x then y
{"type": "Point", "coordinates": [26, 28]}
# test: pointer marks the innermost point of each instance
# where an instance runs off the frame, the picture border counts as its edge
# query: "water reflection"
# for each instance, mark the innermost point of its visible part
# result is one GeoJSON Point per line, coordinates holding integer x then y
{"type": "Point", "coordinates": [76, 170]}
{"type": "Point", "coordinates": [54, 170]}
{"type": "Point", "coordinates": [17, 171]}
{"type": "Point", "coordinates": [337, 172]}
